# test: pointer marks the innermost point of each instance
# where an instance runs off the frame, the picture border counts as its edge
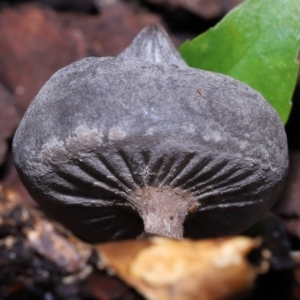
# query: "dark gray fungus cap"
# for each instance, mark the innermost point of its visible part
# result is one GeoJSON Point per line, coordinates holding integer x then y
{"type": "Point", "coordinates": [116, 147]}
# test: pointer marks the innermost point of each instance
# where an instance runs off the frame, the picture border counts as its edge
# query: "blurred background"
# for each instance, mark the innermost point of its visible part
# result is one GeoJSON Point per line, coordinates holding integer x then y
{"type": "Point", "coordinates": [39, 37]}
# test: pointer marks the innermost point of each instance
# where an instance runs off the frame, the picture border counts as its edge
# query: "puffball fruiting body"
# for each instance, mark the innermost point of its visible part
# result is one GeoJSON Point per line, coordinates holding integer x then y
{"type": "Point", "coordinates": [113, 147]}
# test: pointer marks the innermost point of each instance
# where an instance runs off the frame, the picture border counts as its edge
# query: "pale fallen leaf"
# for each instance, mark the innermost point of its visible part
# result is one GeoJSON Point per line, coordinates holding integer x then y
{"type": "Point", "coordinates": [164, 269]}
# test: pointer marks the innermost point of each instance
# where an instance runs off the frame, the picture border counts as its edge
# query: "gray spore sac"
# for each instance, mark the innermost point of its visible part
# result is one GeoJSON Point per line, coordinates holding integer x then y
{"type": "Point", "coordinates": [119, 147]}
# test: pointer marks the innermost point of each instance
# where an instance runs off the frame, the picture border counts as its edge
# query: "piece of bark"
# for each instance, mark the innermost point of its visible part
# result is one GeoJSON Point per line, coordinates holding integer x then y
{"type": "Point", "coordinates": [276, 241]}
{"type": "Point", "coordinates": [48, 239]}
{"type": "Point", "coordinates": [35, 42]}
{"type": "Point", "coordinates": [33, 250]}
{"type": "Point", "coordinates": [83, 6]}
{"type": "Point", "coordinates": [207, 9]}
{"type": "Point", "coordinates": [101, 286]}
{"type": "Point", "coordinates": [9, 119]}
{"type": "Point", "coordinates": [11, 181]}
{"type": "Point", "coordinates": [111, 32]}
{"type": "Point", "coordinates": [34, 45]}
{"type": "Point", "coordinates": [288, 206]}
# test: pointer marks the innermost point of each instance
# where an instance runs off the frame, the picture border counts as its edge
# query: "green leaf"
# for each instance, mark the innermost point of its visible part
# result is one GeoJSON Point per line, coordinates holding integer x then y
{"type": "Point", "coordinates": [257, 43]}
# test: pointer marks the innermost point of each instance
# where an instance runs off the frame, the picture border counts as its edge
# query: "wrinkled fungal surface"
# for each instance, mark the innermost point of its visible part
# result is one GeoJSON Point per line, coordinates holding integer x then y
{"type": "Point", "coordinates": [118, 147]}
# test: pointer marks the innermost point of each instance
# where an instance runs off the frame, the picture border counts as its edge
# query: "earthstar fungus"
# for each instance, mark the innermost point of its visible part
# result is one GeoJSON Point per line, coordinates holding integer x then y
{"type": "Point", "coordinates": [116, 146]}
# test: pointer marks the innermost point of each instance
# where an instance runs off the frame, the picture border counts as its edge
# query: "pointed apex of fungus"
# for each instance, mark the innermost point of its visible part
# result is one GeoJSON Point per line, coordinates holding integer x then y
{"type": "Point", "coordinates": [153, 44]}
